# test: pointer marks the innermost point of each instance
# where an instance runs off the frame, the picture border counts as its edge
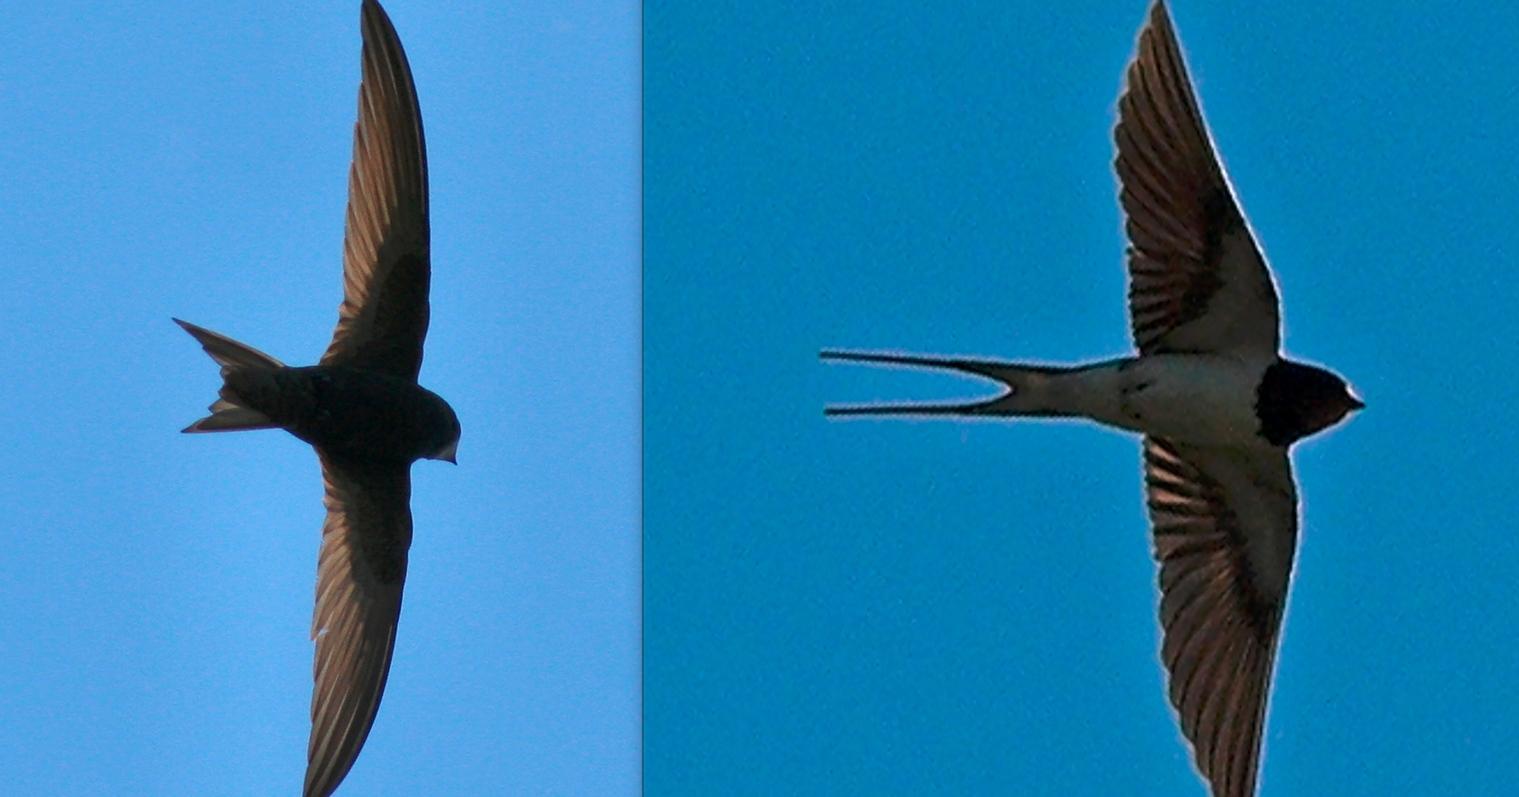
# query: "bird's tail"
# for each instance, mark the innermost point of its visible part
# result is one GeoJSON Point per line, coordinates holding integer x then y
{"type": "Point", "coordinates": [1029, 390]}
{"type": "Point", "coordinates": [230, 413]}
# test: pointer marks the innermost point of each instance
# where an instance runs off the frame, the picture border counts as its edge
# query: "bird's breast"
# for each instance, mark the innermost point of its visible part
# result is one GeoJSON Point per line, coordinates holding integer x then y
{"type": "Point", "coordinates": [360, 414]}
{"type": "Point", "coordinates": [1201, 399]}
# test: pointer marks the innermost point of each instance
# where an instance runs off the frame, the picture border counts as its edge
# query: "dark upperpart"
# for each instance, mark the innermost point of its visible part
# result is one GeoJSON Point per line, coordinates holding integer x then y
{"type": "Point", "coordinates": [1295, 400]}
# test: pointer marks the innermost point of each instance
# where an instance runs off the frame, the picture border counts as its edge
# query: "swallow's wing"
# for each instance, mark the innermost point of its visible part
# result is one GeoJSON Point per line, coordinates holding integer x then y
{"type": "Point", "coordinates": [1225, 525]}
{"type": "Point", "coordinates": [1197, 280]}
{"type": "Point", "coordinates": [360, 573]}
{"type": "Point", "coordinates": [383, 318]}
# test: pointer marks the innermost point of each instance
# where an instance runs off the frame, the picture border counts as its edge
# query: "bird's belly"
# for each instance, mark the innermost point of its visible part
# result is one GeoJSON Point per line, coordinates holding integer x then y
{"type": "Point", "coordinates": [1199, 399]}
{"type": "Point", "coordinates": [362, 415]}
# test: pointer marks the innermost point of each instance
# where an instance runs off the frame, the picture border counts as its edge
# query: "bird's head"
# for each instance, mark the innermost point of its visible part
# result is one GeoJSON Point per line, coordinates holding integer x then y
{"type": "Point", "coordinates": [1335, 404]}
{"type": "Point", "coordinates": [1297, 400]}
{"type": "Point", "coordinates": [445, 445]}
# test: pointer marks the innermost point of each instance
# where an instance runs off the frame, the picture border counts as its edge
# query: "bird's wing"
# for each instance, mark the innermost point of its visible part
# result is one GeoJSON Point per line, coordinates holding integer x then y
{"type": "Point", "coordinates": [383, 317]}
{"type": "Point", "coordinates": [1197, 280]}
{"type": "Point", "coordinates": [360, 573]}
{"type": "Point", "coordinates": [1225, 525]}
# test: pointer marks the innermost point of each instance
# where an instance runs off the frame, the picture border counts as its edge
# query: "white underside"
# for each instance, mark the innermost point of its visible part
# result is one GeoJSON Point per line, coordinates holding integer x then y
{"type": "Point", "coordinates": [1199, 399]}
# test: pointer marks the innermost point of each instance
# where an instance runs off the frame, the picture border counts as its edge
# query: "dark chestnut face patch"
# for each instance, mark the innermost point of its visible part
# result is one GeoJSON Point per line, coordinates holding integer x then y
{"type": "Point", "coordinates": [1296, 400]}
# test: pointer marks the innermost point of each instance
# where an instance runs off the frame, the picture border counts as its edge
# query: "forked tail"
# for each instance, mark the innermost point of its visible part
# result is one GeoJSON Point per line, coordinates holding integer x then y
{"type": "Point", "coordinates": [230, 413]}
{"type": "Point", "coordinates": [1029, 390]}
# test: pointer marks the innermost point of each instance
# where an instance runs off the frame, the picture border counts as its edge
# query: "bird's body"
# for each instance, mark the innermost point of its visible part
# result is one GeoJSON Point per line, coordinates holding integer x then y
{"type": "Point", "coordinates": [1201, 399]}
{"type": "Point", "coordinates": [1205, 399]}
{"type": "Point", "coordinates": [347, 412]}
{"type": "Point", "coordinates": [1217, 403]}
{"type": "Point", "coordinates": [360, 408]}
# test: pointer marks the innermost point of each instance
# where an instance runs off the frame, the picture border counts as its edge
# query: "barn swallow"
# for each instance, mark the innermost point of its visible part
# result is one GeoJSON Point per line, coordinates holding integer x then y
{"type": "Point", "coordinates": [1218, 405]}
{"type": "Point", "coordinates": [360, 407]}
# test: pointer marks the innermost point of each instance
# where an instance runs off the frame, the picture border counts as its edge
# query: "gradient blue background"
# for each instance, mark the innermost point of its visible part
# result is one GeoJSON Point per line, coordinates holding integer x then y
{"type": "Point", "coordinates": [176, 158]}
{"type": "Point", "coordinates": [937, 607]}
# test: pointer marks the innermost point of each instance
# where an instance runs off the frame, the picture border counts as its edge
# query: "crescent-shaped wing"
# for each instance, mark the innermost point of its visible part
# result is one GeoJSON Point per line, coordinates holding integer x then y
{"type": "Point", "coordinates": [1225, 524]}
{"type": "Point", "coordinates": [383, 318]}
{"type": "Point", "coordinates": [360, 573]}
{"type": "Point", "coordinates": [1197, 280]}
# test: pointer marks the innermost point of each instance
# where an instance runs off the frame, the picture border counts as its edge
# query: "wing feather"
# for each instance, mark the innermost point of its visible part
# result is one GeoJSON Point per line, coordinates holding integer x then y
{"type": "Point", "coordinates": [1197, 279]}
{"type": "Point", "coordinates": [360, 574]}
{"type": "Point", "coordinates": [1225, 525]}
{"type": "Point", "coordinates": [383, 318]}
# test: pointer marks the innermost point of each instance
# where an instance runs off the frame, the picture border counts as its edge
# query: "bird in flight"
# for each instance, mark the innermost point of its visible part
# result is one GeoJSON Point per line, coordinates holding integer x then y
{"type": "Point", "coordinates": [360, 407]}
{"type": "Point", "coordinates": [1218, 405]}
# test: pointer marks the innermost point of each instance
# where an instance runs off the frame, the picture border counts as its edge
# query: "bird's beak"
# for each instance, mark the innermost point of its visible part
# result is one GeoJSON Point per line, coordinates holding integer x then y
{"type": "Point", "coordinates": [1355, 401]}
{"type": "Point", "coordinates": [450, 454]}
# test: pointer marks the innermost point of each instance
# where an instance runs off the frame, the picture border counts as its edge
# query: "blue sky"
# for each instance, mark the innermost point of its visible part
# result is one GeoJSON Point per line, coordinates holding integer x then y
{"type": "Point", "coordinates": [156, 589]}
{"type": "Point", "coordinates": [935, 607]}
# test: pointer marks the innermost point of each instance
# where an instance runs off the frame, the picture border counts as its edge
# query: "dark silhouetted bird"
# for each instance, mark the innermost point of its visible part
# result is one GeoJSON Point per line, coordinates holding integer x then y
{"type": "Point", "coordinates": [360, 407]}
{"type": "Point", "coordinates": [1217, 403]}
